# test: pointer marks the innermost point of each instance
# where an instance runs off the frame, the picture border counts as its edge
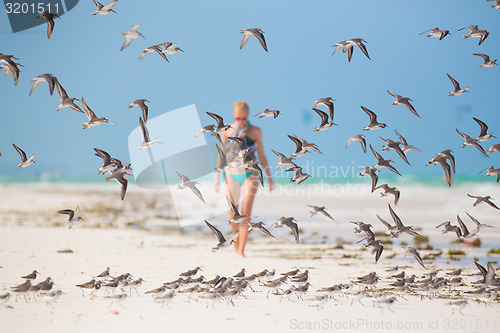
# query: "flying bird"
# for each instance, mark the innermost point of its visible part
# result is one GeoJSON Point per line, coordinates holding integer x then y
{"type": "Point", "coordinates": [474, 32]}
{"type": "Point", "coordinates": [288, 222]}
{"type": "Point", "coordinates": [470, 142]}
{"type": "Point", "coordinates": [170, 48]}
{"type": "Point", "coordinates": [220, 237]}
{"type": "Point", "coordinates": [268, 113]}
{"type": "Point", "coordinates": [146, 141]}
{"type": "Point", "coordinates": [374, 124]}
{"type": "Point", "coordinates": [221, 161]}
{"type": "Point", "coordinates": [65, 100]}
{"type": "Point", "coordinates": [49, 78]}
{"type": "Point", "coordinates": [325, 124]}
{"type": "Point", "coordinates": [49, 18]}
{"type": "Point", "coordinates": [448, 155]}
{"type": "Point", "coordinates": [108, 164]}
{"type": "Point", "coordinates": [236, 216]}
{"type": "Point", "coordinates": [372, 172]}
{"type": "Point", "coordinates": [496, 5]}
{"type": "Point", "coordinates": [414, 253]}
{"type": "Point", "coordinates": [487, 62]}
{"type": "Point", "coordinates": [487, 199]}
{"type": "Point", "coordinates": [259, 226]}
{"type": "Point", "coordinates": [458, 91]}
{"type": "Point", "coordinates": [93, 119]}
{"type": "Point", "coordinates": [491, 171]}
{"type": "Point", "coordinates": [302, 146]}
{"type": "Point", "coordinates": [377, 245]}
{"type": "Point", "coordinates": [132, 33]}
{"type": "Point", "coordinates": [394, 146]}
{"type": "Point", "coordinates": [104, 10]}
{"type": "Point", "coordinates": [154, 48]}
{"type": "Point", "coordinates": [436, 32]}
{"type": "Point", "coordinates": [24, 160]}
{"type": "Point", "coordinates": [381, 163]}
{"type": "Point", "coordinates": [320, 209]}
{"type": "Point", "coordinates": [299, 176]}
{"type": "Point", "coordinates": [257, 33]}
{"type": "Point", "coordinates": [348, 46]}
{"type": "Point", "coordinates": [389, 190]}
{"type": "Point", "coordinates": [141, 103]}
{"type": "Point", "coordinates": [450, 228]}
{"type": "Point", "coordinates": [11, 67]}
{"type": "Point", "coordinates": [442, 162]}
{"type": "Point", "coordinates": [283, 159]}
{"type": "Point", "coordinates": [221, 127]}
{"type": "Point", "coordinates": [73, 216]}
{"type": "Point", "coordinates": [404, 143]}
{"type": "Point", "coordinates": [325, 101]}
{"type": "Point", "coordinates": [359, 138]}
{"type": "Point", "coordinates": [120, 174]}
{"type": "Point", "coordinates": [493, 148]}
{"type": "Point", "coordinates": [404, 101]}
{"type": "Point", "coordinates": [187, 183]}
{"type": "Point", "coordinates": [401, 228]}
{"type": "Point", "coordinates": [483, 134]}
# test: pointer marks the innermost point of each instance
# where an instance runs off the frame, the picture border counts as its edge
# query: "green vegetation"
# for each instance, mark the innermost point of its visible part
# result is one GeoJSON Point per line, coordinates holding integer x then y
{"type": "Point", "coordinates": [452, 253]}
{"type": "Point", "coordinates": [493, 251]}
{"type": "Point", "coordinates": [419, 240]}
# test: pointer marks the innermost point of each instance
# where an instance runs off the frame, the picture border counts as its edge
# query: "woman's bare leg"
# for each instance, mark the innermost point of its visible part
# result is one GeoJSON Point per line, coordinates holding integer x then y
{"type": "Point", "coordinates": [250, 188]}
{"type": "Point", "coordinates": [231, 190]}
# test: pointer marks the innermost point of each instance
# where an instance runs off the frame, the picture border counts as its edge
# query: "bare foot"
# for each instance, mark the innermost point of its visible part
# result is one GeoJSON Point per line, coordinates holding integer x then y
{"type": "Point", "coordinates": [241, 255]}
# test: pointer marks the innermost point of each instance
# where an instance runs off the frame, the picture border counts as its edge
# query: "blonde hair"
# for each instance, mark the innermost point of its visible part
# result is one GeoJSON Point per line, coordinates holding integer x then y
{"type": "Point", "coordinates": [241, 105]}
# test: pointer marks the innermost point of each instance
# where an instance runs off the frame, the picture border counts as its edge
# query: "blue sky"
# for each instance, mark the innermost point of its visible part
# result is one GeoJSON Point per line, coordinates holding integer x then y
{"type": "Point", "coordinates": [84, 53]}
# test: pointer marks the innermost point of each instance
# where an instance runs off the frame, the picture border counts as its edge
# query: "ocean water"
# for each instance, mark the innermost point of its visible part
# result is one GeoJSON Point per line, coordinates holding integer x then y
{"type": "Point", "coordinates": [394, 180]}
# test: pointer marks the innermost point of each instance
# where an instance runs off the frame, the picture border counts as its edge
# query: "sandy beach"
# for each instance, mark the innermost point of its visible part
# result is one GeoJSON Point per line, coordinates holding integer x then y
{"type": "Point", "coordinates": [139, 236]}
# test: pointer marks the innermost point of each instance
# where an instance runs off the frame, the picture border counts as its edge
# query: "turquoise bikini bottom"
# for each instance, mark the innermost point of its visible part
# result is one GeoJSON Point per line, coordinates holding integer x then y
{"type": "Point", "coordinates": [240, 177]}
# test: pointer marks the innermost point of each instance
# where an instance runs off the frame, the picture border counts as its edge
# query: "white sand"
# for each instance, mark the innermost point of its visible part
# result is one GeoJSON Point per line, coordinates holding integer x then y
{"type": "Point", "coordinates": [31, 241]}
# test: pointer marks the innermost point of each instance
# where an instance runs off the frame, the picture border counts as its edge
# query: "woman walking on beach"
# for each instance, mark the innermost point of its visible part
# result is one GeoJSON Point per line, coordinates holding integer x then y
{"type": "Point", "coordinates": [240, 181]}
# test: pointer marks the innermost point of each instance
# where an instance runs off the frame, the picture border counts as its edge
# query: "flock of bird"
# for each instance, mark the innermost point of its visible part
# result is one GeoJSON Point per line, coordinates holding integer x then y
{"type": "Point", "coordinates": [118, 170]}
{"type": "Point", "coordinates": [457, 286]}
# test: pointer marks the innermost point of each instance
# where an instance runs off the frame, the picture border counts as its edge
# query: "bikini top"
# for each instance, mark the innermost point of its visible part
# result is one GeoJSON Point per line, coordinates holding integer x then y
{"type": "Point", "coordinates": [231, 147]}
